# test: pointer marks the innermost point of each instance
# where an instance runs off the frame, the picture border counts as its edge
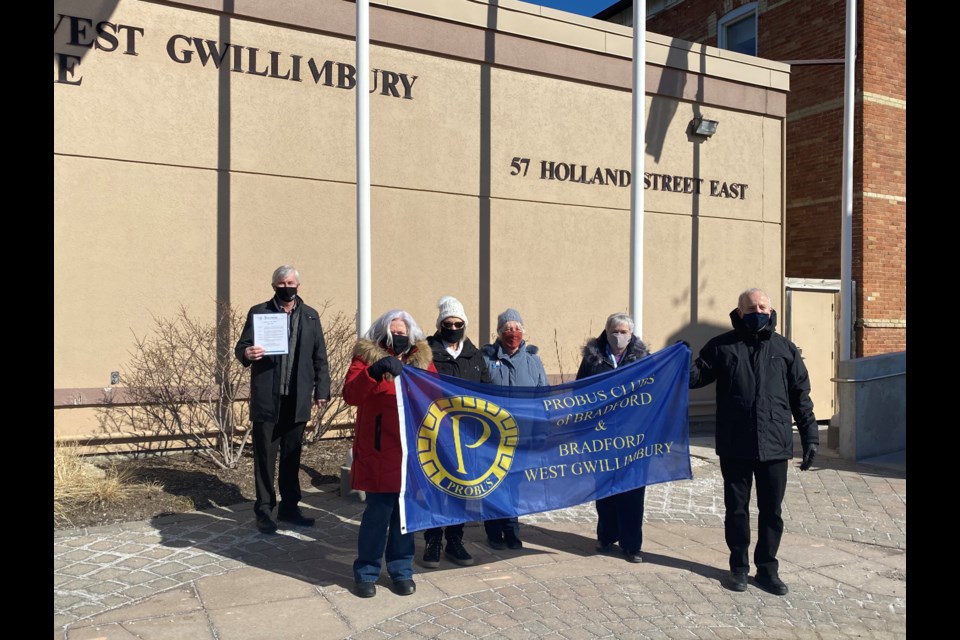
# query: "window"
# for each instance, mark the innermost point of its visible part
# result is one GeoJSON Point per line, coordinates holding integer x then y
{"type": "Point", "coordinates": [656, 6]}
{"type": "Point", "coordinates": [622, 11]}
{"type": "Point", "coordinates": [737, 31]}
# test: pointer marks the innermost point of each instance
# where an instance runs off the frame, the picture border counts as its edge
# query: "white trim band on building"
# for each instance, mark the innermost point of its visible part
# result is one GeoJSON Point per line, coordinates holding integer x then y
{"type": "Point", "coordinates": [871, 323]}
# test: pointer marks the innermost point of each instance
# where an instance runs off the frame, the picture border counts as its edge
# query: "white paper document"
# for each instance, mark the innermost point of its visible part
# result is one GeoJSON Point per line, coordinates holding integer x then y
{"type": "Point", "coordinates": [270, 332]}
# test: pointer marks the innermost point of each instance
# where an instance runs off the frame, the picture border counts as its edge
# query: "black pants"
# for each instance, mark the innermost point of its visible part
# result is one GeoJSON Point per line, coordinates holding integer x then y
{"type": "Point", "coordinates": [284, 436]}
{"type": "Point", "coordinates": [496, 528]}
{"type": "Point", "coordinates": [620, 519]}
{"type": "Point", "coordinates": [738, 476]}
{"type": "Point", "coordinates": [452, 532]}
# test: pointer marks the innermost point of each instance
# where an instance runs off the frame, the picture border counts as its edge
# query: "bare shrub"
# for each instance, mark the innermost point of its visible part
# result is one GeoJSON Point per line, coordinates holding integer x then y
{"type": "Point", "coordinates": [340, 334]}
{"type": "Point", "coordinates": [183, 383]}
{"type": "Point", "coordinates": [571, 357]}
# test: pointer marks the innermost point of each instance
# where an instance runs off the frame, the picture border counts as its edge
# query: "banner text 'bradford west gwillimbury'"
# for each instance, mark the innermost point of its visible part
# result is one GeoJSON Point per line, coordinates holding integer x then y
{"type": "Point", "coordinates": [476, 452]}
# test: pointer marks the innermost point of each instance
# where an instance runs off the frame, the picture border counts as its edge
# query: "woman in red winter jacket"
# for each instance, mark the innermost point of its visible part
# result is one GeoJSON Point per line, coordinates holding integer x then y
{"type": "Point", "coordinates": [392, 341]}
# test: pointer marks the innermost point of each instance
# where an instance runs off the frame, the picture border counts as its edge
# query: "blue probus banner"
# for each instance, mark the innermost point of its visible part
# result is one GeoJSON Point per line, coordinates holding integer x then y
{"type": "Point", "coordinates": [474, 452]}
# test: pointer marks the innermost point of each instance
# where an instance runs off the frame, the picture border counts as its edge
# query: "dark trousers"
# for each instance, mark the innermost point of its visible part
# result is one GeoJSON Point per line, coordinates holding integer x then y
{"type": "Point", "coordinates": [620, 518]}
{"type": "Point", "coordinates": [452, 532]}
{"type": "Point", "coordinates": [496, 528]}
{"type": "Point", "coordinates": [771, 478]}
{"type": "Point", "coordinates": [380, 538]}
{"type": "Point", "coordinates": [270, 438]}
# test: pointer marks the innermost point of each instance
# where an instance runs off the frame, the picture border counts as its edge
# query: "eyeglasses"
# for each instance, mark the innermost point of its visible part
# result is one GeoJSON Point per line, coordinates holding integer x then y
{"type": "Point", "coordinates": [449, 324]}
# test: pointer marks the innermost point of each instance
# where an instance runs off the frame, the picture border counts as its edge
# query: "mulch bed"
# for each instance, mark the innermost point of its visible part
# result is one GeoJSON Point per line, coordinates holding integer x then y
{"type": "Point", "coordinates": [180, 482]}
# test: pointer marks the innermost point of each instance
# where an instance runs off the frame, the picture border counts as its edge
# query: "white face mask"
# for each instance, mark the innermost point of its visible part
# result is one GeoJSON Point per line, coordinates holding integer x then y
{"type": "Point", "coordinates": [618, 341]}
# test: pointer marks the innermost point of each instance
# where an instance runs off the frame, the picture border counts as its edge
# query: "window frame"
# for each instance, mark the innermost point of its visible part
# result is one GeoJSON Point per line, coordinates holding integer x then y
{"type": "Point", "coordinates": [733, 17]}
{"type": "Point", "coordinates": [659, 6]}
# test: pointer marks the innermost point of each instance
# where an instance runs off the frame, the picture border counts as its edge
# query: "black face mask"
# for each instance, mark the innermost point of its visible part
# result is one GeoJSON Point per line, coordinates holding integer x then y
{"type": "Point", "coordinates": [452, 336]}
{"type": "Point", "coordinates": [400, 344]}
{"type": "Point", "coordinates": [756, 321]}
{"type": "Point", "coordinates": [286, 294]}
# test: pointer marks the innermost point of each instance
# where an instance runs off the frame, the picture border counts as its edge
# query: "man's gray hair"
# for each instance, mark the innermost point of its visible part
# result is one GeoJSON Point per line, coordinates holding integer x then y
{"type": "Point", "coordinates": [380, 328]}
{"type": "Point", "coordinates": [745, 296]}
{"type": "Point", "coordinates": [280, 274]}
{"type": "Point", "coordinates": [619, 318]}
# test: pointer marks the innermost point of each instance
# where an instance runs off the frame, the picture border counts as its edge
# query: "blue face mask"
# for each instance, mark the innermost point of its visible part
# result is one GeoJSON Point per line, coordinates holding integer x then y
{"type": "Point", "coordinates": [756, 321]}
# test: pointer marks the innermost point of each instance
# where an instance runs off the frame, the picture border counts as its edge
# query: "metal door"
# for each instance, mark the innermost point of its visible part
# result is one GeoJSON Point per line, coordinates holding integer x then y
{"type": "Point", "coordinates": [812, 321]}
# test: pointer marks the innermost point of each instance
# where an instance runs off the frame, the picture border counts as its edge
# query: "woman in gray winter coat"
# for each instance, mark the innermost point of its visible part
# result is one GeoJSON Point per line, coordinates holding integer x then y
{"type": "Point", "coordinates": [512, 363]}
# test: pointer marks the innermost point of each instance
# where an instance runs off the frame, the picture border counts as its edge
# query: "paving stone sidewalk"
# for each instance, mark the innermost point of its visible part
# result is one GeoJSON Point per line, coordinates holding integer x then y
{"type": "Point", "coordinates": [211, 575]}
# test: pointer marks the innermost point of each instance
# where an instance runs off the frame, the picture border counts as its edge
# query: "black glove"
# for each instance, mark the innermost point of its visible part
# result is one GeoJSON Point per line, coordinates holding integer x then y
{"type": "Point", "coordinates": [390, 364]}
{"type": "Point", "coordinates": [809, 453]}
{"type": "Point", "coordinates": [684, 343]}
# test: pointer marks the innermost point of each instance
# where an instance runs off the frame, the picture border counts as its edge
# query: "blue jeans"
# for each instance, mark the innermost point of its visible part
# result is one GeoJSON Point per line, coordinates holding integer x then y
{"type": "Point", "coordinates": [380, 537]}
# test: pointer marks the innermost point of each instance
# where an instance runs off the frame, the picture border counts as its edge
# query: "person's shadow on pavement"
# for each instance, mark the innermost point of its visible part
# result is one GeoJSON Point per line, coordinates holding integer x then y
{"type": "Point", "coordinates": [321, 555]}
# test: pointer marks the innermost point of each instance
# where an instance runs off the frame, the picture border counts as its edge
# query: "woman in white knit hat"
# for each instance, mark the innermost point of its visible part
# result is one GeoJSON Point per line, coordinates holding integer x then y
{"type": "Point", "coordinates": [453, 355]}
{"type": "Point", "coordinates": [512, 363]}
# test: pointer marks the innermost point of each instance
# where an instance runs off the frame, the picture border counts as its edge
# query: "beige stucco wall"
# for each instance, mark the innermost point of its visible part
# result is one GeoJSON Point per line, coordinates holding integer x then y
{"type": "Point", "coordinates": [157, 163]}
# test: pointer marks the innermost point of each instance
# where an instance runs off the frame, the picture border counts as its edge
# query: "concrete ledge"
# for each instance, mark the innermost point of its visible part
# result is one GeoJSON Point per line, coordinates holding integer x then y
{"type": "Point", "coordinates": [873, 420]}
{"type": "Point", "coordinates": [345, 490]}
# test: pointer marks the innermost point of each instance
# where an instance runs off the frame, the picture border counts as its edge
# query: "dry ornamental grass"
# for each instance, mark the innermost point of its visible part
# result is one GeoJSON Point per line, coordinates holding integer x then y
{"type": "Point", "coordinates": [99, 491]}
{"type": "Point", "coordinates": [80, 486]}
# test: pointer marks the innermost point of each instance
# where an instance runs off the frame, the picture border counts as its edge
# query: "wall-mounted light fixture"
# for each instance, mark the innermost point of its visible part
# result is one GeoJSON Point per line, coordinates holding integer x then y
{"type": "Point", "coordinates": [703, 127]}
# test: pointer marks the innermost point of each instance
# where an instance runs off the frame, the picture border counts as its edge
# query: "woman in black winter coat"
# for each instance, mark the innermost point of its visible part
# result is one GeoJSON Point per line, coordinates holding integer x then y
{"type": "Point", "coordinates": [619, 517]}
{"type": "Point", "coordinates": [456, 356]}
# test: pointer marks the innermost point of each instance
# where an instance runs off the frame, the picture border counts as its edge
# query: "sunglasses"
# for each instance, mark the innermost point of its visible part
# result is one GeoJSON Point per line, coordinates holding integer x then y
{"type": "Point", "coordinates": [453, 325]}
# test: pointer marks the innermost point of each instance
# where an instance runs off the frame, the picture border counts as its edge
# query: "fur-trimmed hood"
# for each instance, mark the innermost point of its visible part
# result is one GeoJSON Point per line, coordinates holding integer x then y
{"type": "Point", "coordinates": [420, 355]}
{"type": "Point", "coordinates": [594, 350]}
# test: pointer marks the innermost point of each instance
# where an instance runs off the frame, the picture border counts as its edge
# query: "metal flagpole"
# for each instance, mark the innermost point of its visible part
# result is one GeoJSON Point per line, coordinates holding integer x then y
{"type": "Point", "coordinates": [636, 165]}
{"type": "Point", "coordinates": [363, 166]}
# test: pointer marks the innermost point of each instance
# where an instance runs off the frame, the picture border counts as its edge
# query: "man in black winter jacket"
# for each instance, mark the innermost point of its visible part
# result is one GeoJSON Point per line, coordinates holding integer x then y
{"type": "Point", "coordinates": [762, 385]}
{"type": "Point", "coordinates": [284, 388]}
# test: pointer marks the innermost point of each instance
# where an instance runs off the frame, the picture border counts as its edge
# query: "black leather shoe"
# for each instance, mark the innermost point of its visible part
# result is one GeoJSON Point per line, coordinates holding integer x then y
{"type": "Point", "coordinates": [456, 552]}
{"type": "Point", "coordinates": [513, 542]}
{"type": "Point", "coordinates": [772, 584]}
{"type": "Point", "coordinates": [431, 553]}
{"type": "Point", "coordinates": [604, 548]}
{"type": "Point", "coordinates": [404, 587]}
{"type": "Point", "coordinates": [496, 544]}
{"type": "Point", "coordinates": [736, 581]}
{"type": "Point", "coordinates": [266, 525]}
{"type": "Point", "coordinates": [296, 518]}
{"type": "Point", "coordinates": [365, 589]}
{"type": "Point", "coordinates": [633, 556]}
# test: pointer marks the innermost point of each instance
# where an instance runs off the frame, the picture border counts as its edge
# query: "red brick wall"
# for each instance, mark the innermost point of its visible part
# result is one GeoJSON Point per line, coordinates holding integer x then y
{"type": "Point", "coordinates": [883, 273]}
{"type": "Point", "coordinates": [688, 21]}
{"type": "Point", "coordinates": [878, 341]}
{"type": "Point", "coordinates": [883, 26]}
{"type": "Point", "coordinates": [808, 31]}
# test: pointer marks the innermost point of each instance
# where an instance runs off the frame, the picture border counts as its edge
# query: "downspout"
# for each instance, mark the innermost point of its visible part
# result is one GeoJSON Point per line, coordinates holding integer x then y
{"type": "Point", "coordinates": [846, 228]}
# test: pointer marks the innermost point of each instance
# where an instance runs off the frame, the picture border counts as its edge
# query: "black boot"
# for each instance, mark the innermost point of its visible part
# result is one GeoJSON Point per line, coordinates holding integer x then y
{"type": "Point", "coordinates": [457, 553]}
{"type": "Point", "coordinates": [431, 553]}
